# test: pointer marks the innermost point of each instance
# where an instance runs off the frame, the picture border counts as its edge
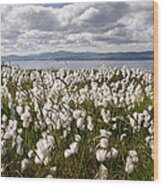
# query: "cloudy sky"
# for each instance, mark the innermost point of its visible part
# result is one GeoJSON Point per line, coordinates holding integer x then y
{"type": "Point", "coordinates": [100, 27]}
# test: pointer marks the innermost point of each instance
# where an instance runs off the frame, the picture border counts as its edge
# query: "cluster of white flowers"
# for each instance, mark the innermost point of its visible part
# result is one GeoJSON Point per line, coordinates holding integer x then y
{"type": "Point", "coordinates": [131, 161]}
{"type": "Point", "coordinates": [137, 120]}
{"type": "Point", "coordinates": [73, 147]}
{"type": "Point", "coordinates": [79, 115]}
{"type": "Point", "coordinates": [144, 120]}
{"type": "Point", "coordinates": [104, 153]}
{"type": "Point", "coordinates": [10, 129]}
{"type": "Point", "coordinates": [68, 103]}
{"type": "Point", "coordinates": [101, 153]}
{"type": "Point", "coordinates": [44, 147]}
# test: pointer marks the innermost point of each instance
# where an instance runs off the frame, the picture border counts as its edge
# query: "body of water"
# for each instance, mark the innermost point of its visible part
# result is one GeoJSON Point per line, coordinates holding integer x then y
{"type": "Point", "coordinates": [144, 64]}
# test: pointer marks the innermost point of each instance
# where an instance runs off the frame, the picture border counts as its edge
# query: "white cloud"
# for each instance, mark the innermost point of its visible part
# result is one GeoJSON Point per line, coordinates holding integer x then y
{"type": "Point", "coordinates": [118, 26]}
{"type": "Point", "coordinates": [89, 14]}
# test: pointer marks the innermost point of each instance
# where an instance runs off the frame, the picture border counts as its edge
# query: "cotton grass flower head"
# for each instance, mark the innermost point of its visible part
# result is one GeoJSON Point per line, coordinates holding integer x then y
{"type": "Point", "coordinates": [4, 118]}
{"type": "Point", "coordinates": [67, 153]}
{"type": "Point", "coordinates": [80, 123]}
{"type": "Point", "coordinates": [113, 153]}
{"type": "Point", "coordinates": [19, 109]}
{"type": "Point", "coordinates": [129, 168]}
{"type": "Point", "coordinates": [24, 164]}
{"type": "Point", "coordinates": [90, 124]}
{"type": "Point", "coordinates": [11, 129]}
{"type": "Point", "coordinates": [30, 154]}
{"type": "Point", "coordinates": [78, 113]}
{"type": "Point", "coordinates": [101, 155]}
{"type": "Point", "coordinates": [131, 161]}
{"type": "Point", "coordinates": [104, 133]}
{"type": "Point", "coordinates": [104, 143]}
{"type": "Point", "coordinates": [44, 147]}
{"type": "Point", "coordinates": [74, 147]}
{"type": "Point", "coordinates": [122, 136]}
{"type": "Point", "coordinates": [132, 153]}
{"type": "Point", "coordinates": [105, 115]}
{"type": "Point", "coordinates": [103, 172]}
{"type": "Point", "coordinates": [77, 138]}
{"type": "Point", "coordinates": [26, 118]}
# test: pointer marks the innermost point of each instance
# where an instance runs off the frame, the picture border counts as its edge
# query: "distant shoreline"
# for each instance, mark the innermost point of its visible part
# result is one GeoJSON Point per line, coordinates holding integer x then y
{"type": "Point", "coordinates": [83, 56]}
{"type": "Point", "coordinates": [76, 64]}
{"type": "Point", "coordinates": [146, 59]}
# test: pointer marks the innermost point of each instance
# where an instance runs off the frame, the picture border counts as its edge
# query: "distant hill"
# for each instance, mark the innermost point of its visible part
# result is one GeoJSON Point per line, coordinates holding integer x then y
{"type": "Point", "coordinates": [65, 55]}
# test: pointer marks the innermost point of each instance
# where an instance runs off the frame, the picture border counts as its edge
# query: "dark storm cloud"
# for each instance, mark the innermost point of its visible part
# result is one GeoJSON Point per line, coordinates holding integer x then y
{"type": "Point", "coordinates": [55, 5]}
{"type": "Point", "coordinates": [118, 40]}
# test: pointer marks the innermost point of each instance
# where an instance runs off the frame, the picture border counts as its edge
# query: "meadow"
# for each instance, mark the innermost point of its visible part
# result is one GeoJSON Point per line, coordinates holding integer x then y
{"type": "Point", "coordinates": [77, 124]}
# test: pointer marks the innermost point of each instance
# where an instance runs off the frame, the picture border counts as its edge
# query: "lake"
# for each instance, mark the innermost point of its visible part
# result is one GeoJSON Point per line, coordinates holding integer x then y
{"type": "Point", "coordinates": [142, 64]}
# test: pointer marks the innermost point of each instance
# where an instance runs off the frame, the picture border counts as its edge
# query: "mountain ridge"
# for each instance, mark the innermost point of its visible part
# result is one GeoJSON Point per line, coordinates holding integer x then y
{"type": "Point", "coordinates": [66, 55]}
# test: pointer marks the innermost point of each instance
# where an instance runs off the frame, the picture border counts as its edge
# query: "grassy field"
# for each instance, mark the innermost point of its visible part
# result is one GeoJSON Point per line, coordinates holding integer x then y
{"type": "Point", "coordinates": [86, 124]}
